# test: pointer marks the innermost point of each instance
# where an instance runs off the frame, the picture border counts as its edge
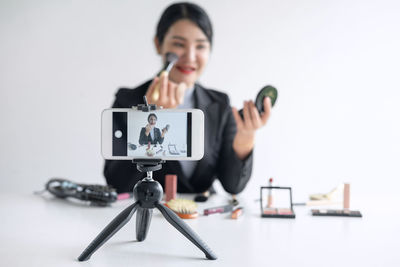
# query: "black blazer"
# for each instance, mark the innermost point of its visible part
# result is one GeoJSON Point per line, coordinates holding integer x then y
{"type": "Point", "coordinates": [144, 140]}
{"type": "Point", "coordinates": [219, 161]}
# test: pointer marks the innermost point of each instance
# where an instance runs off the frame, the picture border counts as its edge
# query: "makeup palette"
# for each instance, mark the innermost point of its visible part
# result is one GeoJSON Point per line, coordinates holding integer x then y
{"type": "Point", "coordinates": [343, 213]}
{"type": "Point", "coordinates": [276, 202]}
{"type": "Point", "coordinates": [278, 213]}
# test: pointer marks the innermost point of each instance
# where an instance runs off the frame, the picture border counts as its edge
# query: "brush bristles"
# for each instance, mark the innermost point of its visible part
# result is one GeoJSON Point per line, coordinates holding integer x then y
{"type": "Point", "coordinates": [171, 58]}
{"type": "Point", "coordinates": [184, 206]}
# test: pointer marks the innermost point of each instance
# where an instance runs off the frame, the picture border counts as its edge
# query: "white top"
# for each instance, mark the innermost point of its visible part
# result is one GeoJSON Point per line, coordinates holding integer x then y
{"type": "Point", "coordinates": [152, 133]}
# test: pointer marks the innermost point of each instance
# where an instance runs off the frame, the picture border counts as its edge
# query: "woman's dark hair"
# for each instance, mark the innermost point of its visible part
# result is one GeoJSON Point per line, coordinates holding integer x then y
{"type": "Point", "coordinates": [184, 10]}
{"type": "Point", "coordinates": [151, 114]}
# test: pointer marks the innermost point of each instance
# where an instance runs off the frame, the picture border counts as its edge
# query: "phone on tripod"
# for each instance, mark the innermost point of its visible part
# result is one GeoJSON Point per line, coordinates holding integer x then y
{"type": "Point", "coordinates": [134, 134]}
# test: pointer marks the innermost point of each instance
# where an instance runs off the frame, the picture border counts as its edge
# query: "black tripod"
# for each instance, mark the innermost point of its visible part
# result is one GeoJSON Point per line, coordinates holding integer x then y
{"type": "Point", "coordinates": [148, 194]}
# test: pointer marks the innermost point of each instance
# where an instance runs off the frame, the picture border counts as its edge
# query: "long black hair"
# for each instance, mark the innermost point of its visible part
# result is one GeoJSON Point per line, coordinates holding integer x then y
{"type": "Point", "coordinates": [184, 10]}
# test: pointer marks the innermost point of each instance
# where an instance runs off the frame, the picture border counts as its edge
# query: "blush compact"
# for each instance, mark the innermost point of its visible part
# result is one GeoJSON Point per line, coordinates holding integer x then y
{"type": "Point", "coordinates": [276, 202]}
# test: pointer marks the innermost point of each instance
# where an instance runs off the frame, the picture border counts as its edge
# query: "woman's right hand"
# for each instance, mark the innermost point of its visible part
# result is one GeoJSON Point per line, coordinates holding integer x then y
{"type": "Point", "coordinates": [164, 92]}
{"type": "Point", "coordinates": [148, 129]}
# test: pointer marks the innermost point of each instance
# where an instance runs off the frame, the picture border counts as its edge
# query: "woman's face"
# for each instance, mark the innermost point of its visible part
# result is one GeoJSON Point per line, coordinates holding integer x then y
{"type": "Point", "coordinates": [189, 42]}
{"type": "Point", "coordinates": [152, 120]}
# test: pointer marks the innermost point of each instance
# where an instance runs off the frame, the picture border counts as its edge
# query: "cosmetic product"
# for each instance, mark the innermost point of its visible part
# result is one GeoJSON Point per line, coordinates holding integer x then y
{"type": "Point", "coordinates": [234, 202]}
{"type": "Point", "coordinates": [345, 212]}
{"type": "Point", "coordinates": [184, 208]}
{"type": "Point", "coordinates": [318, 203]}
{"type": "Point", "coordinates": [278, 213]}
{"type": "Point", "coordinates": [333, 195]}
{"type": "Point", "coordinates": [282, 198]}
{"type": "Point", "coordinates": [342, 213]}
{"type": "Point", "coordinates": [236, 213]}
{"type": "Point", "coordinates": [266, 91]}
{"type": "Point", "coordinates": [170, 60]}
{"type": "Point", "coordinates": [269, 200]}
{"type": "Point", "coordinates": [346, 196]}
{"type": "Point", "coordinates": [170, 187]}
{"type": "Point", "coordinates": [203, 197]}
{"type": "Point", "coordinates": [220, 209]}
{"type": "Point", "coordinates": [123, 196]}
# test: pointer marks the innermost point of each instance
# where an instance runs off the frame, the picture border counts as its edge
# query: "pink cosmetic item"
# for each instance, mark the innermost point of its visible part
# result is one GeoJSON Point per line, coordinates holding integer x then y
{"type": "Point", "coordinates": [284, 205]}
{"type": "Point", "coordinates": [220, 209]}
{"type": "Point", "coordinates": [270, 198]}
{"type": "Point", "coordinates": [123, 196]}
{"type": "Point", "coordinates": [170, 187]}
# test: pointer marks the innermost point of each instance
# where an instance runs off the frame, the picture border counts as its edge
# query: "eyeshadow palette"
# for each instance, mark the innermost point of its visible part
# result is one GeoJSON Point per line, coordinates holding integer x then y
{"type": "Point", "coordinates": [276, 202]}
{"type": "Point", "coordinates": [342, 213]}
{"type": "Point", "coordinates": [277, 213]}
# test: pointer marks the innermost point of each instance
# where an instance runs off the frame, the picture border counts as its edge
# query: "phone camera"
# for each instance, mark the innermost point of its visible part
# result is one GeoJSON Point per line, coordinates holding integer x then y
{"type": "Point", "coordinates": [118, 134]}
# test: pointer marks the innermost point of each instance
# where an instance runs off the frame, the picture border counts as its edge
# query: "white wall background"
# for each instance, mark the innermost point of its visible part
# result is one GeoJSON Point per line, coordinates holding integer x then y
{"type": "Point", "coordinates": [335, 64]}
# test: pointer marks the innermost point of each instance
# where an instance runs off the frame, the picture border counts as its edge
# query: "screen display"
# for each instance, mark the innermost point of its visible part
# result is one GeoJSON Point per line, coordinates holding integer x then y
{"type": "Point", "coordinates": [152, 134]}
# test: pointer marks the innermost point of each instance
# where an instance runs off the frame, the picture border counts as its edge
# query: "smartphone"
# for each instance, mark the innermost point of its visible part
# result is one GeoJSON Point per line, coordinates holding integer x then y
{"type": "Point", "coordinates": [167, 134]}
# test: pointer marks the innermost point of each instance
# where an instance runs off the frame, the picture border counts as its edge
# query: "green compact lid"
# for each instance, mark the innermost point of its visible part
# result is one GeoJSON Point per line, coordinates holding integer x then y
{"type": "Point", "coordinates": [269, 91]}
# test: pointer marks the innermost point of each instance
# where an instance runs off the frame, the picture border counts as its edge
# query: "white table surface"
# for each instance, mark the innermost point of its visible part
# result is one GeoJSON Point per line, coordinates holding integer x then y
{"type": "Point", "coordinates": [45, 231]}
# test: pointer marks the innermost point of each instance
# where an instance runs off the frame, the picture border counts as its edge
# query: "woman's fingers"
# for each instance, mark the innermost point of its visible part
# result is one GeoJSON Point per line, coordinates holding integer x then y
{"type": "Point", "coordinates": [163, 89]}
{"type": "Point", "coordinates": [171, 95]}
{"type": "Point", "coordinates": [267, 110]}
{"type": "Point", "coordinates": [238, 119]}
{"type": "Point", "coordinates": [150, 90]}
{"type": "Point", "coordinates": [246, 115]}
{"type": "Point", "coordinates": [251, 117]}
{"type": "Point", "coordinates": [255, 116]}
{"type": "Point", "coordinates": [165, 93]}
{"type": "Point", "coordinates": [180, 93]}
{"type": "Point", "coordinates": [251, 121]}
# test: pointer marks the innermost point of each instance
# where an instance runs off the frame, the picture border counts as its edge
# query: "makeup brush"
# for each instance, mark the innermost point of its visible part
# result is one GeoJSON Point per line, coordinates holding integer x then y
{"type": "Point", "coordinates": [332, 195]}
{"type": "Point", "coordinates": [170, 60]}
{"type": "Point", "coordinates": [184, 208]}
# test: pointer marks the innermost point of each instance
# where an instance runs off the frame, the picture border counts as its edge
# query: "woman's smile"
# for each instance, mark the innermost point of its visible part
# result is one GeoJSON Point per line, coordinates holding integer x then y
{"type": "Point", "coordinates": [186, 69]}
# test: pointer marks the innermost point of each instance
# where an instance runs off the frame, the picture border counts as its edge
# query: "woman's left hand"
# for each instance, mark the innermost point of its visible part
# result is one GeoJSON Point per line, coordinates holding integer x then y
{"type": "Point", "coordinates": [243, 143]}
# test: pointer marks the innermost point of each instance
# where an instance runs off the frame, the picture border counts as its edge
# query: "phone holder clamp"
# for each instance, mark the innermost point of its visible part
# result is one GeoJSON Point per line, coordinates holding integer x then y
{"type": "Point", "coordinates": [146, 107]}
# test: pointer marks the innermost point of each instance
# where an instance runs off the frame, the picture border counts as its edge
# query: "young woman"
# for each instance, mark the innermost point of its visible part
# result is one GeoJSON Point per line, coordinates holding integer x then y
{"type": "Point", "coordinates": [151, 133]}
{"type": "Point", "coordinates": [185, 29]}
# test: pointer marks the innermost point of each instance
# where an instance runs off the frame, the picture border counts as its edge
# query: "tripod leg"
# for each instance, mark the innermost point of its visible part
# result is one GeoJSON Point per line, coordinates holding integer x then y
{"type": "Point", "coordinates": [182, 227]}
{"type": "Point", "coordinates": [143, 219]}
{"type": "Point", "coordinates": [109, 231]}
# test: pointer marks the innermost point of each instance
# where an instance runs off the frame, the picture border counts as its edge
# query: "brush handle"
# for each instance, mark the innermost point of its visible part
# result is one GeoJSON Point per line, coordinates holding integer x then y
{"type": "Point", "coordinates": [156, 93]}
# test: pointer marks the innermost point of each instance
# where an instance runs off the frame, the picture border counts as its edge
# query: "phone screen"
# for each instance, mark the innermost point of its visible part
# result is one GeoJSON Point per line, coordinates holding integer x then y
{"type": "Point", "coordinates": [152, 134]}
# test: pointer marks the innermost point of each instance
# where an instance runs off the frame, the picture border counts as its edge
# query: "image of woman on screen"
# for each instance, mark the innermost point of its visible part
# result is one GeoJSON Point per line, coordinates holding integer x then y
{"type": "Point", "coordinates": [185, 29]}
{"type": "Point", "coordinates": [151, 133]}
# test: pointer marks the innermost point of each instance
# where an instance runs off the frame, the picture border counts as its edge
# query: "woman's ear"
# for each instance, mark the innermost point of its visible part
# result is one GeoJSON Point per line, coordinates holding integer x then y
{"type": "Point", "coordinates": [157, 45]}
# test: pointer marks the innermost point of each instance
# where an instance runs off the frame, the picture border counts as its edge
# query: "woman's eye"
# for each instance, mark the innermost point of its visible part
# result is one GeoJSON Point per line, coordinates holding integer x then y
{"type": "Point", "coordinates": [178, 44]}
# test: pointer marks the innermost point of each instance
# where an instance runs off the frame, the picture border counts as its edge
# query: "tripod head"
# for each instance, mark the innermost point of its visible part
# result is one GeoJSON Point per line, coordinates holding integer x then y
{"type": "Point", "coordinates": [148, 193]}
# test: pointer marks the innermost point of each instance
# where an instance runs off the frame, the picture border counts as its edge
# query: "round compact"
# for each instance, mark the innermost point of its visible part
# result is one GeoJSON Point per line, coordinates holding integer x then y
{"type": "Point", "coordinates": [266, 91]}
